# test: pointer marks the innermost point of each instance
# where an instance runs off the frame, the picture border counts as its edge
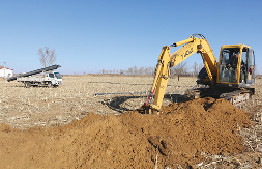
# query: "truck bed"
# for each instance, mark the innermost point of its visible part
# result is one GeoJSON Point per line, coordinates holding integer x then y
{"type": "Point", "coordinates": [33, 79]}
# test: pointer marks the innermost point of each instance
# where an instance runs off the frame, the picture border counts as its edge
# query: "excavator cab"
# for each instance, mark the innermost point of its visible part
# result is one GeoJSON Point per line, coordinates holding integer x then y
{"type": "Point", "coordinates": [228, 66]}
{"type": "Point", "coordinates": [236, 67]}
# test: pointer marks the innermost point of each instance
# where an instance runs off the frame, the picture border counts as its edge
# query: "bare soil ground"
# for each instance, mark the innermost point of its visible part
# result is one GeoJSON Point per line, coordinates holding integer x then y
{"type": "Point", "coordinates": [203, 133]}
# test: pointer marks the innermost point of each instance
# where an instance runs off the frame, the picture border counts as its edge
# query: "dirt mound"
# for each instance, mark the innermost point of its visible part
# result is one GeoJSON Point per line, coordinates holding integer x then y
{"type": "Point", "coordinates": [177, 136]}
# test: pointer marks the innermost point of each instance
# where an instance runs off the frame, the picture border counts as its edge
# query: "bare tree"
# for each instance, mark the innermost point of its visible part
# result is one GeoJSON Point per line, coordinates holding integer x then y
{"type": "Point", "coordinates": [47, 56]}
{"type": "Point", "coordinates": [135, 69]}
{"type": "Point", "coordinates": [180, 69]}
{"type": "Point", "coordinates": [141, 71]}
{"type": "Point", "coordinates": [197, 68]}
{"type": "Point", "coordinates": [121, 72]}
{"type": "Point", "coordinates": [130, 71]}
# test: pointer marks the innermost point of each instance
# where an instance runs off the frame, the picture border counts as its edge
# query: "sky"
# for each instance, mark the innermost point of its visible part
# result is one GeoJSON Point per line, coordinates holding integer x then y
{"type": "Point", "coordinates": [104, 34]}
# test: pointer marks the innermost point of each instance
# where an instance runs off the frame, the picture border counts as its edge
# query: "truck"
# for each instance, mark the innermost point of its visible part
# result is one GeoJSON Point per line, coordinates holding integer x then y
{"type": "Point", "coordinates": [232, 78]}
{"type": "Point", "coordinates": [50, 78]}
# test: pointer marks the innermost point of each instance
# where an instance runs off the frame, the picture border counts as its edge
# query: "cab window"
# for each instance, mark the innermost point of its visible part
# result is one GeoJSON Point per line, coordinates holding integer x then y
{"type": "Point", "coordinates": [228, 55]}
{"type": "Point", "coordinates": [58, 76]}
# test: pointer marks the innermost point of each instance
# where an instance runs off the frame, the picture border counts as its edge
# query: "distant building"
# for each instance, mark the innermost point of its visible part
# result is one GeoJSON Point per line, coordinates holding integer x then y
{"type": "Point", "coordinates": [5, 72]}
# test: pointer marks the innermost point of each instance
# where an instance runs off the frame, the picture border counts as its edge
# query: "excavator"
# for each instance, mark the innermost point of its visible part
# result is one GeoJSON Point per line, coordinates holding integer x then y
{"type": "Point", "coordinates": [232, 78]}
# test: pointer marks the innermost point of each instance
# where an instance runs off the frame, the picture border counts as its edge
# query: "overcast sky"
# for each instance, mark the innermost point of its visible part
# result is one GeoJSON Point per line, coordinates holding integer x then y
{"type": "Point", "coordinates": [92, 35]}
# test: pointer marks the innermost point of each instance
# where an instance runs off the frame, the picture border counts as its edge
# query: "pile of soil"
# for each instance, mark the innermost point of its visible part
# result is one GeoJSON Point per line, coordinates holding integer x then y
{"type": "Point", "coordinates": [178, 136]}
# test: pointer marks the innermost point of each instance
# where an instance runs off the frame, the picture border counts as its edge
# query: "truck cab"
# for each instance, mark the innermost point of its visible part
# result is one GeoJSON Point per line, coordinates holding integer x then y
{"type": "Point", "coordinates": [54, 77]}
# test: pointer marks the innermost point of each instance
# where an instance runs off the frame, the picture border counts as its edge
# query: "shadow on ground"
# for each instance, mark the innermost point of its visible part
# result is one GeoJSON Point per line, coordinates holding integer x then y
{"type": "Point", "coordinates": [116, 103]}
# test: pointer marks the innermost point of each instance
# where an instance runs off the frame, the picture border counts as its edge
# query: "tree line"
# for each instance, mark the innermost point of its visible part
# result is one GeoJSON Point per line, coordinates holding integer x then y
{"type": "Point", "coordinates": [48, 57]}
{"type": "Point", "coordinates": [181, 69]}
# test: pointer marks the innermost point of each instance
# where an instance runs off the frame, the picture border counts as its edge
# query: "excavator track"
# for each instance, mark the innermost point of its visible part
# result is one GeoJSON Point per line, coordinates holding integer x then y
{"type": "Point", "coordinates": [237, 97]}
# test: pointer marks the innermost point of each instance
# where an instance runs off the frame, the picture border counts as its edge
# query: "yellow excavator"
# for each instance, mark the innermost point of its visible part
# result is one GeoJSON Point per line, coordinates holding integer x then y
{"type": "Point", "coordinates": [232, 78]}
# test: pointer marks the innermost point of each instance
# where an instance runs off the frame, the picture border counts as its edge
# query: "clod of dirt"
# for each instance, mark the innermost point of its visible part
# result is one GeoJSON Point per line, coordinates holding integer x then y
{"type": "Point", "coordinates": [178, 136]}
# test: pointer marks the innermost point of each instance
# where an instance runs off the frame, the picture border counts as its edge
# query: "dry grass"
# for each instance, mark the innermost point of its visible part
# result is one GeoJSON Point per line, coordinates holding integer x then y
{"type": "Point", "coordinates": [24, 107]}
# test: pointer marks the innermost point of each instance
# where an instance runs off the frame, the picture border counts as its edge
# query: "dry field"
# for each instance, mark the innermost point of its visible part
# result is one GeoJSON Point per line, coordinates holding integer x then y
{"type": "Point", "coordinates": [24, 107]}
{"type": "Point", "coordinates": [39, 106]}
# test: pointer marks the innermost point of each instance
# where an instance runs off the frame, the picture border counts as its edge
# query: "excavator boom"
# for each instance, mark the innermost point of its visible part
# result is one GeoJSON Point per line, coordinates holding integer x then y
{"type": "Point", "coordinates": [165, 61]}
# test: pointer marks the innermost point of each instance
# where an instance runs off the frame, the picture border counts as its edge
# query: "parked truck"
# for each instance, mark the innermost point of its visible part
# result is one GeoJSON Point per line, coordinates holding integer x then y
{"type": "Point", "coordinates": [50, 78]}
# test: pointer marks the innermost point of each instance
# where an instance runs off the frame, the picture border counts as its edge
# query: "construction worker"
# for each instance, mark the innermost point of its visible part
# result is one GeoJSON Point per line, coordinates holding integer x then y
{"type": "Point", "coordinates": [233, 61]}
{"type": "Point", "coordinates": [232, 65]}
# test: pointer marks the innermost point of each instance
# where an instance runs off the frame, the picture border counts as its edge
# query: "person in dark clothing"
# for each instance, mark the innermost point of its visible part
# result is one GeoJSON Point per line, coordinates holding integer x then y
{"type": "Point", "coordinates": [233, 61]}
{"type": "Point", "coordinates": [232, 65]}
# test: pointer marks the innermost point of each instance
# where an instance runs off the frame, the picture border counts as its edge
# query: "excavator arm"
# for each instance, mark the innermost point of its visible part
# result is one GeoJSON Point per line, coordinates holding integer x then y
{"type": "Point", "coordinates": [165, 61]}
